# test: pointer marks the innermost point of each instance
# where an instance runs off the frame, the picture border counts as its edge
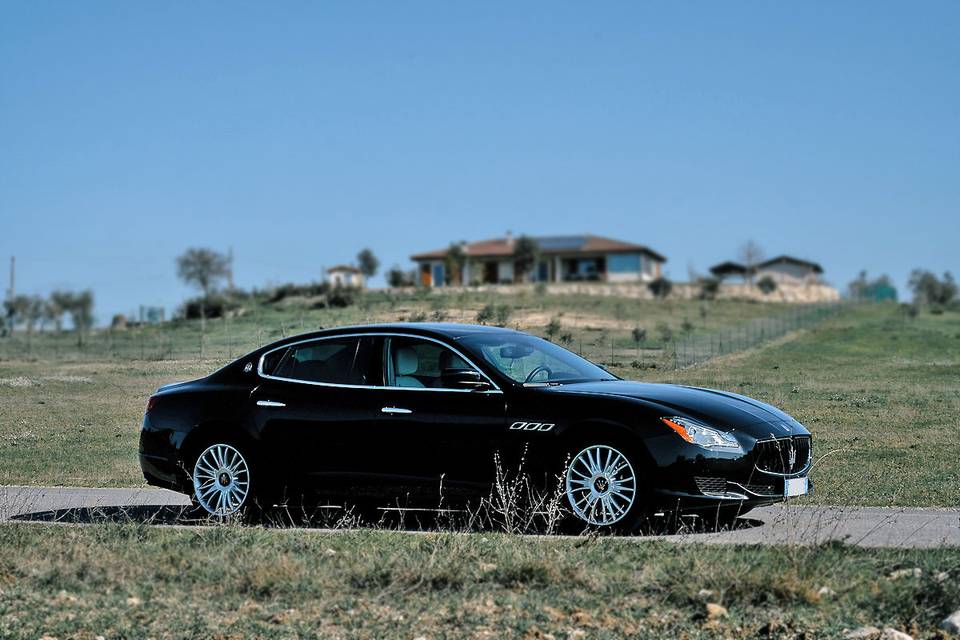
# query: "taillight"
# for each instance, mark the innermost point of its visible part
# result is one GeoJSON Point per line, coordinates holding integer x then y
{"type": "Point", "coordinates": [151, 402]}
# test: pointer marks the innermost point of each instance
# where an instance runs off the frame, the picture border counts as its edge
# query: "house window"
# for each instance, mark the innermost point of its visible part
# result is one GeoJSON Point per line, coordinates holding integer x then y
{"type": "Point", "coordinates": [623, 263]}
{"type": "Point", "coordinates": [438, 276]}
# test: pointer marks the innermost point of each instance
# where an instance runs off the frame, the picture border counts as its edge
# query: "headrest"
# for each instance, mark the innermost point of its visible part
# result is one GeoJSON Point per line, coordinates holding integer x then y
{"type": "Point", "coordinates": [406, 361]}
{"type": "Point", "coordinates": [450, 360]}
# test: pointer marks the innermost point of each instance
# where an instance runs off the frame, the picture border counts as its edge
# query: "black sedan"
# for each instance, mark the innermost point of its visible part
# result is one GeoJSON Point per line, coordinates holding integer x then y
{"type": "Point", "coordinates": [414, 413]}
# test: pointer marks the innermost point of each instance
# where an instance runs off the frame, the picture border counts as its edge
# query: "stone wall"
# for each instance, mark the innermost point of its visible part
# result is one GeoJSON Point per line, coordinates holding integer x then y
{"type": "Point", "coordinates": [790, 293]}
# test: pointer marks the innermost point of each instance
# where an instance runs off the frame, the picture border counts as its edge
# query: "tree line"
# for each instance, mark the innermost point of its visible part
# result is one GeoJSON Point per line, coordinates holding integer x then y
{"type": "Point", "coordinates": [32, 312]}
{"type": "Point", "coordinates": [206, 270]}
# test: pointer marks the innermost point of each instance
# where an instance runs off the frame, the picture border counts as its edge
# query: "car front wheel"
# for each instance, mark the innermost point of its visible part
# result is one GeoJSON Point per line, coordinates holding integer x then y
{"type": "Point", "coordinates": [600, 485]}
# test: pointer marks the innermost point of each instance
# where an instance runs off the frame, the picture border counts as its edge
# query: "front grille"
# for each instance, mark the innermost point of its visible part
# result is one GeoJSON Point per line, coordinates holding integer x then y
{"type": "Point", "coordinates": [784, 455]}
{"type": "Point", "coordinates": [710, 485]}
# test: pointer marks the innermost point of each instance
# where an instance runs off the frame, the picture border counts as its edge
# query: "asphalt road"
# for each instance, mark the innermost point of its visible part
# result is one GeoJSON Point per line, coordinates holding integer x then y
{"type": "Point", "coordinates": [781, 524]}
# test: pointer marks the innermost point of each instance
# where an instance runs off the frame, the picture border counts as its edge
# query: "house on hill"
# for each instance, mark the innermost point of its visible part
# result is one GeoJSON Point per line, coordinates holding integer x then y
{"type": "Point", "coordinates": [560, 259]}
{"type": "Point", "coordinates": [782, 270]}
{"type": "Point", "coordinates": [345, 275]}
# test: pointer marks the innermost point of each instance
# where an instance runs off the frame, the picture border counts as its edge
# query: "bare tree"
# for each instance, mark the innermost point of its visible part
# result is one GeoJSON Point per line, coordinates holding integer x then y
{"type": "Point", "coordinates": [58, 304]}
{"type": "Point", "coordinates": [751, 254]}
{"type": "Point", "coordinates": [33, 313]}
{"type": "Point", "coordinates": [81, 314]}
{"type": "Point", "coordinates": [203, 268]}
{"type": "Point", "coordinates": [929, 290]}
{"type": "Point", "coordinates": [49, 314]}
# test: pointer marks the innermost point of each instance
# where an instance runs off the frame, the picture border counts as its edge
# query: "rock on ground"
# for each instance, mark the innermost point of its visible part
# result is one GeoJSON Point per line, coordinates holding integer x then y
{"type": "Point", "coordinates": [951, 623]}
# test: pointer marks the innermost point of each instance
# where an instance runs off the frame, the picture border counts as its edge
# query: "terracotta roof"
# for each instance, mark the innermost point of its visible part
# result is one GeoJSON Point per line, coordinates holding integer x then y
{"type": "Point", "coordinates": [343, 267]}
{"type": "Point", "coordinates": [549, 245]}
{"type": "Point", "coordinates": [791, 260]}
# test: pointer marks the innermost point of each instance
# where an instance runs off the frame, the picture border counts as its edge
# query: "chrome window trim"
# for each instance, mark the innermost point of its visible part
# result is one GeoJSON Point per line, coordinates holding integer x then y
{"type": "Point", "coordinates": [496, 389]}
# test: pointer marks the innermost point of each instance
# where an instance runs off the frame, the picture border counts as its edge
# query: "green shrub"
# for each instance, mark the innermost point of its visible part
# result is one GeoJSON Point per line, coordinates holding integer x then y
{"type": "Point", "coordinates": [216, 306]}
{"type": "Point", "coordinates": [709, 287]}
{"type": "Point", "coordinates": [553, 328]}
{"type": "Point", "coordinates": [502, 315]}
{"type": "Point", "coordinates": [487, 313]}
{"type": "Point", "coordinates": [661, 287]}
{"type": "Point", "coordinates": [767, 285]}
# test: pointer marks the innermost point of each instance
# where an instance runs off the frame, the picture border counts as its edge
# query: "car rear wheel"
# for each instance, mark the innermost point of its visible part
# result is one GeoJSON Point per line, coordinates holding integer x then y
{"type": "Point", "coordinates": [601, 487]}
{"type": "Point", "coordinates": [222, 480]}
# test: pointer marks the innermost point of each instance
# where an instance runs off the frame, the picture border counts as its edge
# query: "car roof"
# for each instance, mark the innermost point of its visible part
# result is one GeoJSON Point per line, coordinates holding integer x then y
{"type": "Point", "coordinates": [448, 330]}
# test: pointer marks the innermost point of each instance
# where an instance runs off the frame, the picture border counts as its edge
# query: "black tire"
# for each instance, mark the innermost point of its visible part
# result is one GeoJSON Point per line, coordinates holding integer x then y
{"type": "Point", "coordinates": [629, 514]}
{"type": "Point", "coordinates": [240, 470]}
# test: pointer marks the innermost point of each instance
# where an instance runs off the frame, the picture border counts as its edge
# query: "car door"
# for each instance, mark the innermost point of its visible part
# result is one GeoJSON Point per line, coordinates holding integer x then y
{"type": "Point", "coordinates": [444, 434]}
{"type": "Point", "coordinates": [314, 411]}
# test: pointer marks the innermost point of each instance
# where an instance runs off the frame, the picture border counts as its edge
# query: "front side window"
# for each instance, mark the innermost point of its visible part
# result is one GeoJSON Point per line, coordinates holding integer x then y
{"type": "Point", "coordinates": [422, 364]}
{"type": "Point", "coordinates": [531, 360]}
{"type": "Point", "coordinates": [347, 360]}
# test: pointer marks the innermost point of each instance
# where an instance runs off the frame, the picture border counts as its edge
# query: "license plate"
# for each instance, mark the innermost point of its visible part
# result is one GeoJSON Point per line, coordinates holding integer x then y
{"type": "Point", "coordinates": [795, 487]}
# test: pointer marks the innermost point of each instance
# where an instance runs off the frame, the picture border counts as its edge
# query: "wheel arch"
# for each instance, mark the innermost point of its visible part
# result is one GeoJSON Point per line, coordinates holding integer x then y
{"type": "Point", "coordinates": [208, 432]}
{"type": "Point", "coordinates": [605, 431]}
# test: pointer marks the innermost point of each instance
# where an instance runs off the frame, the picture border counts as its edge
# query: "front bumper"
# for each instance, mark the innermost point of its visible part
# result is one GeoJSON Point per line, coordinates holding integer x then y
{"type": "Point", "coordinates": [701, 478]}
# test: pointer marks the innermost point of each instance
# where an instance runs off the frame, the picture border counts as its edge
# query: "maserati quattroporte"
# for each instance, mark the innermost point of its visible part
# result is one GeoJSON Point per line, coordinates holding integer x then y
{"type": "Point", "coordinates": [405, 412]}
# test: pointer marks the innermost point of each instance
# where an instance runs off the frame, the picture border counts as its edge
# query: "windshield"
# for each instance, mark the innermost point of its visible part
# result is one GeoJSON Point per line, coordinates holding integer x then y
{"type": "Point", "coordinates": [531, 360]}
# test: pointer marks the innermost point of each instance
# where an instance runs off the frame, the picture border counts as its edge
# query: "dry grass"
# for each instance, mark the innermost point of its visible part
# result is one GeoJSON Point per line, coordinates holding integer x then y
{"type": "Point", "coordinates": [133, 581]}
{"type": "Point", "coordinates": [881, 394]}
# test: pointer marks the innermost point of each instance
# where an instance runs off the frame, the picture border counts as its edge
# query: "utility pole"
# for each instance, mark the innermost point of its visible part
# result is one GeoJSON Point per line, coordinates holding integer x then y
{"type": "Point", "coordinates": [12, 291]}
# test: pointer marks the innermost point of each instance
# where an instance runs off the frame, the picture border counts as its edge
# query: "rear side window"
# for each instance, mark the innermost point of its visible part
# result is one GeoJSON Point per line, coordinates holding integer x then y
{"type": "Point", "coordinates": [351, 360]}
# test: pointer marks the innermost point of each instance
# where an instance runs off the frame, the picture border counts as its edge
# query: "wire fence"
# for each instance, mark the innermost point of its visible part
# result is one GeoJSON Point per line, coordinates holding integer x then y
{"type": "Point", "coordinates": [693, 348]}
{"type": "Point", "coordinates": [700, 348]}
{"type": "Point", "coordinates": [223, 339]}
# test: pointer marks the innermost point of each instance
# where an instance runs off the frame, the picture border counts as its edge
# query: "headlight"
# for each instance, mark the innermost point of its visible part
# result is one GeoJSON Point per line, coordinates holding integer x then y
{"type": "Point", "coordinates": [702, 435]}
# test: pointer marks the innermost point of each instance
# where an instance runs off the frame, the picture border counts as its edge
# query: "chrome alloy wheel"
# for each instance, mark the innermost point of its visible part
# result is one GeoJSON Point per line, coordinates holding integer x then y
{"type": "Point", "coordinates": [601, 485]}
{"type": "Point", "coordinates": [221, 480]}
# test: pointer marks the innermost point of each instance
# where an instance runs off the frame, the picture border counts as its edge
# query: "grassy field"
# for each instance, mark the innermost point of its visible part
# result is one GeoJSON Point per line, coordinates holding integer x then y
{"type": "Point", "coordinates": [880, 392]}
{"type": "Point", "coordinates": [594, 324]}
{"type": "Point", "coordinates": [231, 582]}
{"type": "Point", "coordinates": [70, 415]}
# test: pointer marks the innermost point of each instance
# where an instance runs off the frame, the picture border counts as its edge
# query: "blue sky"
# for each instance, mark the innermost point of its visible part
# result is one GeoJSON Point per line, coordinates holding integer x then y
{"type": "Point", "coordinates": [298, 133]}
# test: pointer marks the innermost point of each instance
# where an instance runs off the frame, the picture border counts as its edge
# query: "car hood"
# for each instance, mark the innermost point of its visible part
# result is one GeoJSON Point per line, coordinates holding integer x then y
{"type": "Point", "coordinates": [722, 409]}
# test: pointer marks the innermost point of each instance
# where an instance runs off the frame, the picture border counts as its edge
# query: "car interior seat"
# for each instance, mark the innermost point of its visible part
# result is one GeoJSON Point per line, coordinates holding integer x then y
{"type": "Point", "coordinates": [406, 362]}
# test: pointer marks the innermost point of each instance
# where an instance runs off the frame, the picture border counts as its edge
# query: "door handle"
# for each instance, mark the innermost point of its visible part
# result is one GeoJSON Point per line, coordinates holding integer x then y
{"type": "Point", "coordinates": [395, 411]}
{"type": "Point", "coordinates": [269, 403]}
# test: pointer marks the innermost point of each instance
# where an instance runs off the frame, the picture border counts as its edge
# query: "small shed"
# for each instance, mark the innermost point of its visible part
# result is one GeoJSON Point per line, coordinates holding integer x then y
{"type": "Point", "coordinates": [345, 275]}
{"type": "Point", "coordinates": [789, 270]}
{"type": "Point", "coordinates": [728, 269]}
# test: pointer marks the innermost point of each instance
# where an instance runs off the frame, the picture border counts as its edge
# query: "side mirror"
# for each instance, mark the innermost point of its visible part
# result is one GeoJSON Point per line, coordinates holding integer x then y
{"type": "Point", "coordinates": [464, 379]}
